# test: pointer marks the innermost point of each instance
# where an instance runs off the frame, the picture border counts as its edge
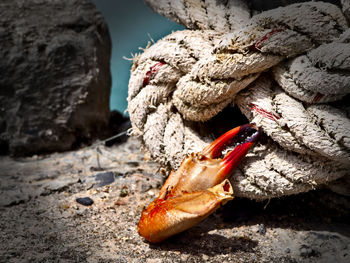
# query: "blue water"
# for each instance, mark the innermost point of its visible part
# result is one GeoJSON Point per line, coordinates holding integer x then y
{"type": "Point", "coordinates": [130, 24]}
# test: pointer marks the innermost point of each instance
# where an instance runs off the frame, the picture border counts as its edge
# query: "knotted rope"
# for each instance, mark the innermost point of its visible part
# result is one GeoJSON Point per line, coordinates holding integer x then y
{"type": "Point", "coordinates": [190, 76]}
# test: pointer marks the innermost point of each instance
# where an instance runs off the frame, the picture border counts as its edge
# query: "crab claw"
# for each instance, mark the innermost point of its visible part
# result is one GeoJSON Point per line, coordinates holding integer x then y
{"type": "Point", "coordinates": [245, 134]}
{"type": "Point", "coordinates": [243, 137]}
{"type": "Point", "coordinates": [164, 218]}
{"type": "Point", "coordinates": [198, 187]}
{"type": "Point", "coordinates": [199, 171]}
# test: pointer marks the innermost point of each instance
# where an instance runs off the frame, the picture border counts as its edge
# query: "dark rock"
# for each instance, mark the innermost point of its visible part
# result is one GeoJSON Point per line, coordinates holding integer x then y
{"type": "Point", "coordinates": [306, 251]}
{"type": "Point", "coordinates": [104, 179]}
{"type": "Point", "coordinates": [85, 201]}
{"type": "Point", "coordinates": [55, 74]}
{"type": "Point", "coordinates": [346, 8]}
{"type": "Point", "coordinates": [262, 229]}
{"type": "Point", "coordinates": [118, 122]}
{"type": "Point", "coordinates": [118, 125]}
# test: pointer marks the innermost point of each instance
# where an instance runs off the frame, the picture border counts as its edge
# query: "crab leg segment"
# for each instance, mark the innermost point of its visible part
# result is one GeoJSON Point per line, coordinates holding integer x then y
{"type": "Point", "coordinates": [164, 218]}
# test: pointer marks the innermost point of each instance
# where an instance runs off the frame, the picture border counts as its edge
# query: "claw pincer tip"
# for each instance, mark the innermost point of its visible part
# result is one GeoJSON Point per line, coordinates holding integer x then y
{"type": "Point", "coordinates": [245, 138]}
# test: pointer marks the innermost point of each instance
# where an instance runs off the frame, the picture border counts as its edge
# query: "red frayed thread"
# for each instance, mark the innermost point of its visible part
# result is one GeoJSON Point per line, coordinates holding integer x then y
{"type": "Point", "coordinates": [318, 97]}
{"type": "Point", "coordinates": [258, 43]}
{"type": "Point", "coordinates": [151, 72]}
{"type": "Point", "coordinates": [263, 112]}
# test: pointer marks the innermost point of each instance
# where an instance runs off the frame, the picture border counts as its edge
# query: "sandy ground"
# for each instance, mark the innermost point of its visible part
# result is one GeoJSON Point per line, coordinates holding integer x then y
{"type": "Point", "coordinates": [41, 221]}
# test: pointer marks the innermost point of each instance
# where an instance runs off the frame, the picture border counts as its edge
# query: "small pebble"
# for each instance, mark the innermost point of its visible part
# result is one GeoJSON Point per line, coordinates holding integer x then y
{"type": "Point", "coordinates": [103, 179]}
{"type": "Point", "coordinates": [85, 201]}
{"type": "Point", "coordinates": [262, 229]}
{"type": "Point", "coordinates": [287, 250]}
{"type": "Point", "coordinates": [306, 251]}
{"type": "Point", "coordinates": [184, 257]}
{"type": "Point", "coordinates": [124, 191]}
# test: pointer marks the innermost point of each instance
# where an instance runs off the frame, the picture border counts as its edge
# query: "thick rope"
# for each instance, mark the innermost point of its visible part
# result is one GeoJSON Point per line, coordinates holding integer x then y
{"type": "Point", "coordinates": [314, 129]}
{"type": "Point", "coordinates": [318, 75]}
{"type": "Point", "coordinates": [192, 75]}
{"type": "Point", "coordinates": [221, 16]}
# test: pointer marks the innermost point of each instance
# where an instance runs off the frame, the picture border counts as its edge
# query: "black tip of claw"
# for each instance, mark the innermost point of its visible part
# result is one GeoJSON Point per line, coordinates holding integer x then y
{"type": "Point", "coordinates": [248, 133]}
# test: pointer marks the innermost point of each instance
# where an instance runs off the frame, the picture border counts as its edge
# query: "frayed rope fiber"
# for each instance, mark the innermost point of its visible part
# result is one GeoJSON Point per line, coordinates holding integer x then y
{"type": "Point", "coordinates": [287, 69]}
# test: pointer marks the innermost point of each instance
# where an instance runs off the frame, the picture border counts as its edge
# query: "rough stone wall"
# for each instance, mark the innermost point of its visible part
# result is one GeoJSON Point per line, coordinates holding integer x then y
{"type": "Point", "coordinates": [55, 76]}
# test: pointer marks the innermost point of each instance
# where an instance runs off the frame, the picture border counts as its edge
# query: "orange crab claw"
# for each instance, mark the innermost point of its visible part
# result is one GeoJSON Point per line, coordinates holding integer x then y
{"type": "Point", "coordinates": [164, 218]}
{"type": "Point", "coordinates": [199, 171]}
{"type": "Point", "coordinates": [187, 196]}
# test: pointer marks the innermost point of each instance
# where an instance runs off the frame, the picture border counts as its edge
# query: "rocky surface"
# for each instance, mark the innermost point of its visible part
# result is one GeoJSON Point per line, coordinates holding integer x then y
{"type": "Point", "coordinates": [55, 76]}
{"type": "Point", "coordinates": [41, 220]}
{"type": "Point", "coordinates": [346, 8]}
